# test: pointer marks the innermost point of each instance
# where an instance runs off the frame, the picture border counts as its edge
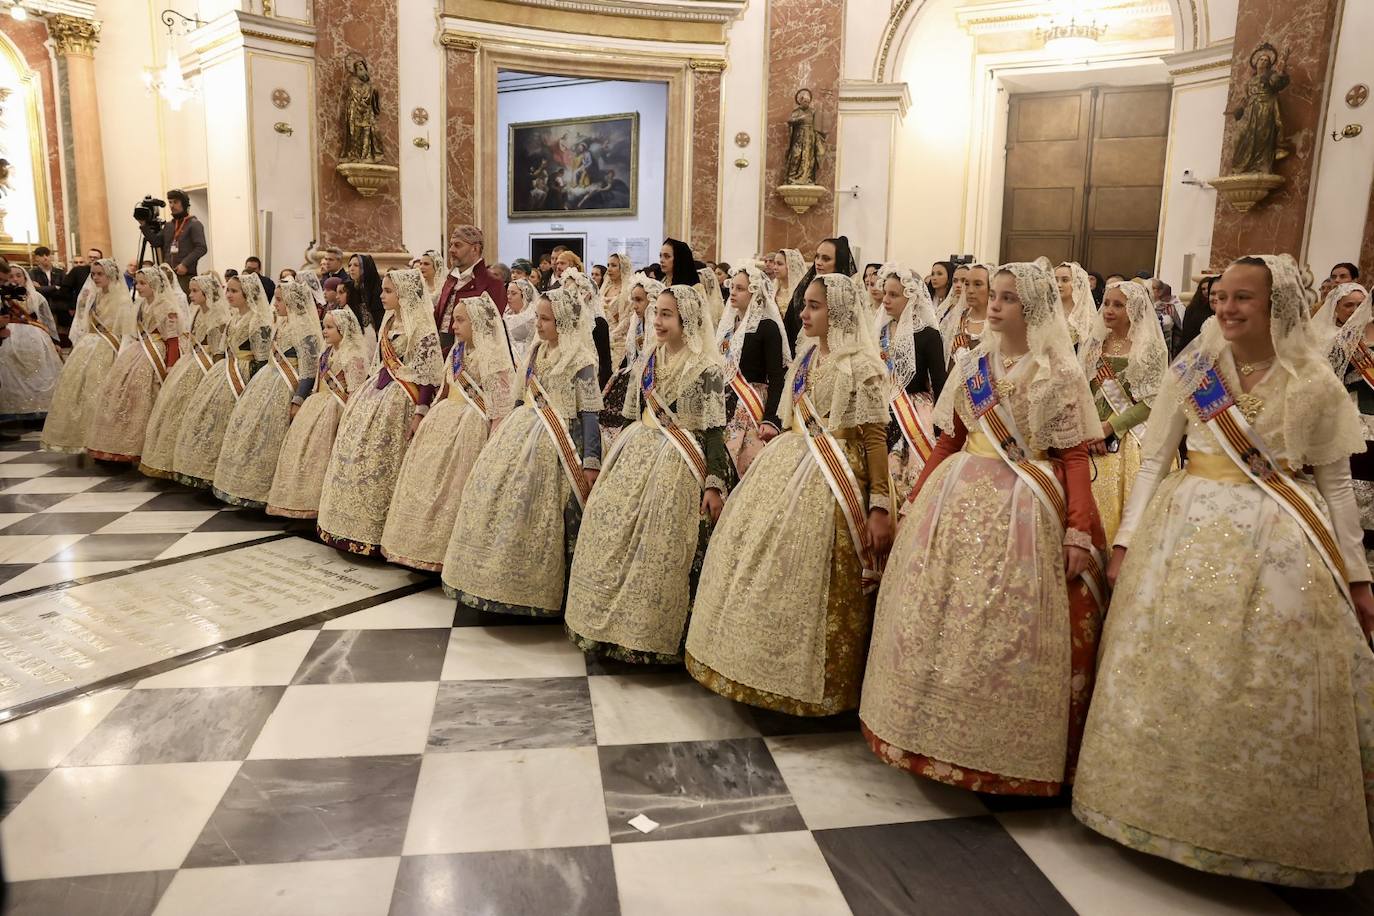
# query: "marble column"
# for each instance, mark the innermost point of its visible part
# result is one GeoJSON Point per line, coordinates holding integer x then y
{"type": "Point", "coordinates": [704, 236]}
{"type": "Point", "coordinates": [368, 29]}
{"type": "Point", "coordinates": [460, 134]}
{"type": "Point", "coordinates": [75, 39]}
{"type": "Point", "coordinates": [805, 45]}
{"type": "Point", "coordinates": [1304, 27]}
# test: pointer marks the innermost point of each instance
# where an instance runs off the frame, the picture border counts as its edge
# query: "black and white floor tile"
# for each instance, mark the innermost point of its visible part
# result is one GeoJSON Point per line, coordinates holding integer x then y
{"type": "Point", "coordinates": [410, 759]}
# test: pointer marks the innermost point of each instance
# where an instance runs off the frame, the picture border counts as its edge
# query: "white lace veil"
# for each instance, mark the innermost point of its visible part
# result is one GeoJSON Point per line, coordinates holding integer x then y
{"type": "Point", "coordinates": [635, 332]}
{"type": "Point", "coordinates": [1149, 354]}
{"type": "Point", "coordinates": [91, 297]}
{"type": "Point", "coordinates": [954, 316]}
{"type": "Point", "coordinates": [1084, 305]}
{"type": "Point", "coordinates": [422, 360]}
{"type": "Point", "coordinates": [312, 280]}
{"type": "Point", "coordinates": [714, 299]}
{"type": "Point", "coordinates": [586, 291]}
{"type": "Point", "coordinates": [858, 373]}
{"type": "Point", "coordinates": [575, 350]}
{"type": "Point", "coordinates": [350, 357]}
{"type": "Point", "coordinates": [215, 312]}
{"type": "Point", "coordinates": [1336, 340]}
{"type": "Point", "coordinates": [918, 314]}
{"type": "Point", "coordinates": [1320, 425]}
{"type": "Point", "coordinates": [762, 307]}
{"type": "Point", "coordinates": [173, 289]}
{"type": "Point", "coordinates": [490, 352]}
{"type": "Point", "coordinates": [306, 335]}
{"type": "Point", "coordinates": [693, 383]}
{"type": "Point", "coordinates": [1061, 410]}
{"type": "Point", "coordinates": [149, 315]}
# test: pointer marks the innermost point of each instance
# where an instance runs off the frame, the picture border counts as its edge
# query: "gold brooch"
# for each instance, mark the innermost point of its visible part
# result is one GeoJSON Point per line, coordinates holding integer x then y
{"type": "Point", "coordinates": [1250, 405]}
{"type": "Point", "coordinates": [1005, 387]}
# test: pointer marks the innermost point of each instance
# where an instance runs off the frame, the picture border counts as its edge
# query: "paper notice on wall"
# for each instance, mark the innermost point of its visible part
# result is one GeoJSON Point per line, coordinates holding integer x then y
{"type": "Point", "coordinates": [637, 250]}
{"type": "Point", "coordinates": [614, 245]}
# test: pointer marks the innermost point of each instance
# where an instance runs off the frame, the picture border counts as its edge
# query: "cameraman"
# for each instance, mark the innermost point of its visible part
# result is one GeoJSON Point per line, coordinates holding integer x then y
{"type": "Point", "coordinates": [181, 239]}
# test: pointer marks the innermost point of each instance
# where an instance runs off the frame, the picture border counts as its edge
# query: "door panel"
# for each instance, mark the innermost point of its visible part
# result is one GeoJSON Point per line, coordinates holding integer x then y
{"type": "Point", "coordinates": [1047, 168]}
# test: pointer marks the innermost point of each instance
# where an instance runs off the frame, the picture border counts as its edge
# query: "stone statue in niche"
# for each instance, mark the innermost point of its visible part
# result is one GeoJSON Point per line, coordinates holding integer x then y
{"type": "Point", "coordinates": [806, 144]}
{"type": "Point", "coordinates": [362, 104]}
{"type": "Point", "coordinates": [1259, 137]}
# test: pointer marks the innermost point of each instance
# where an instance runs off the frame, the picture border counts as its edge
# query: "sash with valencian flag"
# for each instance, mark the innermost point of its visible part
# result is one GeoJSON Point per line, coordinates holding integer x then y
{"type": "Point", "coordinates": [1216, 407]}
{"type": "Point", "coordinates": [683, 441]}
{"type": "Point", "coordinates": [844, 486]}
{"type": "Point", "coordinates": [996, 423]}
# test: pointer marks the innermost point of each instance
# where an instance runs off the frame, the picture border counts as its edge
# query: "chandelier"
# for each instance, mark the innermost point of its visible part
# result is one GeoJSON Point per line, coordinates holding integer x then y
{"type": "Point", "coordinates": [1073, 38]}
{"type": "Point", "coordinates": [168, 81]}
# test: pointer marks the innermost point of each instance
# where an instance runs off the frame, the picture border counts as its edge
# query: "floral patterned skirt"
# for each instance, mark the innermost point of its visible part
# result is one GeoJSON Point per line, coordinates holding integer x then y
{"type": "Point", "coordinates": [164, 424]}
{"type": "Point", "coordinates": [120, 420]}
{"type": "Point", "coordinates": [304, 458]}
{"type": "Point", "coordinates": [78, 395]}
{"type": "Point", "coordinates": [202, 429]}
{"type": "Point", "coordinates": [253, 440]}
{"type": "Point", "coordinates": [363, 467]}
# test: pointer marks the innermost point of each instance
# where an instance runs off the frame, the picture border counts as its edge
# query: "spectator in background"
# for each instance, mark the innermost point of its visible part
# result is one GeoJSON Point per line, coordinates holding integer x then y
{"type": "Point", "coordinates": [598, 274]}
{"type": "Point", "coordinates": [1345, 272]}
{"type": "Point", "coordinates": [129, 270]}
{"type": "Point", "coordinates": [229, 273]}
{"type": "Point", "coordinates": [47, 279]}
{"type": "Point", "coordinates": [253, 265]}
{"type": "Point", "coordinates": [1199, 309]}
{"type": "Point", "coordinates": [502, 273]}
{"type": "Point", "coordinates": [1115, 278]}
{"type": "Point", "coordinates": [1098, 286]}
{"type": "Point", "coordinates": [468, 277]}
{"type": "Point", "coordinates": [331, 264]}
{"type": "Point", "coordinates": [181, 240]}
{"type": "Point", "coordinates": [334, 296]}
{"type": "Point", "coordinates": [286, 275]}
{"type": "Point", "coordinates": [723, 277]}
{"type": "Point", "coordinates": [79, 274]}
{"type": "Point", "coordinates": [520, 269]}
{"type": "Point", "coordinates": [545, 271]}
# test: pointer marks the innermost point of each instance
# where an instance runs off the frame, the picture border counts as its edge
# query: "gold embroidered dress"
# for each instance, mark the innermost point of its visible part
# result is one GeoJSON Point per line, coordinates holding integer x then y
{"type": "Point", "coordinates": [200, 351]}
{"type": "Point", "coordinates": [780, 619]}
{"type": "Point", "coordinates": [253, 438]}
{"type": "Point", "coordinates": [80, 390]}
{"type": "Point", "coordinates": [247, 344]}
{"type": "Point", "coordinates": [478, 394]}
{"type": "Point", "coordinates": [643, 534]}
{"type": "Point", "coordinates": [118, 424]}
{"type": "Point", "coordinates": [373, 432]}
{"type": "Point", "coordinates": [1232, 727]}
{"type": "Point", "coordinates": [305, 451]}
{"type": "Point", "coordinates": [518, 519]}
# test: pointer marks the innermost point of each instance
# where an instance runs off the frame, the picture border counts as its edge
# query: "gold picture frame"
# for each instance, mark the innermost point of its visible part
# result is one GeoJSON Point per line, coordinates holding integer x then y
{"type": "Point", "coordinates": [573, 167]}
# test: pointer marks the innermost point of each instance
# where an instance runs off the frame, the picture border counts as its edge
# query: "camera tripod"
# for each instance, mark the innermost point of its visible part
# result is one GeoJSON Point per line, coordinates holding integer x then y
{"type": "Point", "coordinates": [146, 246]}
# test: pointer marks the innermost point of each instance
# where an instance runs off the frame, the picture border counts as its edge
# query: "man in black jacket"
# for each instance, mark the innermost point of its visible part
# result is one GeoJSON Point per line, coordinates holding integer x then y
{"type": "Point", "coordinates": [182, 239]}
{"type": "Point", "coordinates": [47, 279]}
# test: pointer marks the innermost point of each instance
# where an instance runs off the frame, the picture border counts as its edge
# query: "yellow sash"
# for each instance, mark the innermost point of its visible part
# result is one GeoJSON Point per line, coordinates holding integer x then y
{"type": "Point", "coordinates": [235, 375]}
{"type": "Point", "coordinates": [393, 364]}
{"type": "Point", "coordinates": [155, 359]}
{"type": "Point", "coordinates": [104, 332]}
{"type": "Point", "coordinates": [285, 369]}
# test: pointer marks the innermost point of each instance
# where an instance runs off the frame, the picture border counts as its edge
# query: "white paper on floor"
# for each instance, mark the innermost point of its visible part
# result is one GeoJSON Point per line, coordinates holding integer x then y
{"type": "Point", "coordinates": [643, 823]}
{"type": "Point", "coordinates": [56, 641]}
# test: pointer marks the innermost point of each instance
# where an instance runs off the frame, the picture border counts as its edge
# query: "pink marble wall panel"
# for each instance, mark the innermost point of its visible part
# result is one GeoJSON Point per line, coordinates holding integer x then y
{"type": "Point", "coordinates": [1275, 225]}
{"type": "Point", "coordinates": [368, 28]}
{"type": "Point", "coordinates": [705, 164]}
{"type": "Point", "coordinates": [805, 42]}
{"type": "Point", "coordinates": [461, 138]}
{"type": "Point", "coordinates": [28, 37]}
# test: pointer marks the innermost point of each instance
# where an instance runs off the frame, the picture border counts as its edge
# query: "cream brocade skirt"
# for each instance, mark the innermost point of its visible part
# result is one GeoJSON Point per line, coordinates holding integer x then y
{"type": "Point", "coordinates": [253, 440]}
{"type": "Point", "coordinates": [779, 619]}
{"type": "Point", "coordinates": [508, 539]}
{"type": "Point", "coordinates": [1115, 477]}
{"type": "Point", "coordinates": [1232, 727]}
{"type": "Point", "coordinates": [970, 658]}
{"type": "Point", "coordinates": [304, 457]}
{"type": "Point", "coordinates": [78, 395]}
{"type": "Point", "coordinates": [164, 424]}
{"type": "Point", "coordinates": [203, 425]}
{"type": "Point", "coordinates": [119, 423]}
{"type": "Point", "coordinates": [630, 584]}
{"type": "Point", "coordinates": [364, 465]}
{"type": "Point", "coordinates": [419, 523]}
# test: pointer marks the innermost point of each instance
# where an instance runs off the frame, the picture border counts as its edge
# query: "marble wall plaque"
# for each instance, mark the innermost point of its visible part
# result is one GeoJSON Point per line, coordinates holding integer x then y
{"type": "Point", "coordinates": [56, 641]}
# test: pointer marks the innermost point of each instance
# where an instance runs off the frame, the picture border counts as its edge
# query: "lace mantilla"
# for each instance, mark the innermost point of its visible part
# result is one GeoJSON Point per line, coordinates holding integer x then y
{"type": "Point", "coordinates": [1149, 354]}
{"type": "Point", "coordinates": [1336, 340]}
{"type": "Point", "coordinates": [422, 359]}
{"type": "Point", "coordinates": [762, 307]}
{"type": "Point", "coordinates": [899, 348]}
{"type": "Point", "coordinates": [855, 372]}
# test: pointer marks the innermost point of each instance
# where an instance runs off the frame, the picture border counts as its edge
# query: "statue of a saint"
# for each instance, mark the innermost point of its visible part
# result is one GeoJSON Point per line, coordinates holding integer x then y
{"type": "Point", "coordinates": [806, 145]}
{"type": "Point", "coordinates": [362, 143]}
{"type": "Point", "coordinates": [1259, 138]}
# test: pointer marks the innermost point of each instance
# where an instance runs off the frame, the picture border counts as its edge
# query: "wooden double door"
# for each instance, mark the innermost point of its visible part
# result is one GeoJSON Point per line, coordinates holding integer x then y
{"type": "Point", "coordinates": [1084, 177]}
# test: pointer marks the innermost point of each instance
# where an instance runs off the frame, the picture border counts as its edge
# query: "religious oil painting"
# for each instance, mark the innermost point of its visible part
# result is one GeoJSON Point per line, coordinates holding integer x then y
{"type": "Point", "coordinates": [586, 166]}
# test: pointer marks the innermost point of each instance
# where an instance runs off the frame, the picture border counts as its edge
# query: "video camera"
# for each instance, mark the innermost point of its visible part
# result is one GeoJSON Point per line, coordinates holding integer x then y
{"type": "Point", "coordinates": [13, 292]}
{"type": "Point", "coordinates": [146, 212]}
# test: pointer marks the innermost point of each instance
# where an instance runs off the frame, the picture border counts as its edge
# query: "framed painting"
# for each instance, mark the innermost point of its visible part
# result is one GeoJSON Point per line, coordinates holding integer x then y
{"type": "Point", "coordinates": [573, 167]}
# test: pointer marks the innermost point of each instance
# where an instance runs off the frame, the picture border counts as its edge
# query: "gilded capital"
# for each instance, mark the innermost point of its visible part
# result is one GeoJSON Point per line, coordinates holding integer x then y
{"type": "Point", "coordinates": [458, 41]}
{"type": "Point", "coordinates": [707, 65]}
{"type": "Point", "coordinates": [72, 34]}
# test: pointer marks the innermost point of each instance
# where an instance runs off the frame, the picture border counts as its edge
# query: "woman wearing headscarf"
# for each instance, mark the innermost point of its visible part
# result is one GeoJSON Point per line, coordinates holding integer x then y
{"type": "Point", "coordinates": [940, 283]}
{"type": "Point", "coordinates": [522, 504]}
{"type": "Point", "coordinates": [615, 301]}
{"type": "Point", "coordinates": [754, 343]}
{"type": "Point", "coordinates": [382, 418]}
{"type": "Point", "coordinates": [1075, 300]}
{"type": "Point", "coordinates": [202, 346]}
{"type": "Point", "coordinates": [1124, 358]}
{"type": "Point", "coordinates": [253, 439]}
{"type": "Point", "coordinates": [914, 355]}
{"type": "Point", "coordinates": [312, 280]}
{"type": "Point", "coordinates": [362, 270]}
{"type": "Point", "coordinates": [432, 270]}
{"type": "Point", "coordinates": [955, 299]}
{"type": "Point", "coordinates": [783, 608]}
{"type": "Point", "coordinates": [1233, 721]}
{"type": "Point", "coordinates": [789, 267]}
{"type": "Point", "coordinates": [304, 457]}
{"type": "Point", "coordinates": [648, 521]}
{"type": "Point", "coordinates": [80, 388]}
{"type": "Point", "coordinates": [963, 324]}
{"type": "Point", "coordinates": [981, 664]}
{"type": "Point", "coordinates": [832, 257]}
{"type": "Point", "coordinates": [520, 317]}
{"type": "Point", "coordinates": [149, 351]}
{"type": "Point", "coordinates": [711, 294]}
{"type": "Point", "coordinates": [678, 264]}
{"type": "Point", "coordinates": [1343, 331]}
{"type": "Point", "coordinates": [478, 393]}
{"type": "Point", "coordinates": [247, 347]}
{"type": "Point", "coordinates": [574, 279]}
{"type": "Point", "coordinates": [643, 292]}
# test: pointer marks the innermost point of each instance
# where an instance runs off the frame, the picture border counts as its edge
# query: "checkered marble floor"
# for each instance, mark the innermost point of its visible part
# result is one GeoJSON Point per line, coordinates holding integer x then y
{"type": "Point", "coordinates": [66, 517]}
{"type": "Point", "coordinates": [407, 759]}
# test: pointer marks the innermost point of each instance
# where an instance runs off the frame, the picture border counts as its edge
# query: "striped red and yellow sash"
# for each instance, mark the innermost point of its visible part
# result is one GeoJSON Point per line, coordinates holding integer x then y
{"type": "Point", "coordinates": [235, 375]}
{"type": "Point", "coordinates": [98, 328]}
{"type": "Point", "coordinates": [921, 440]}
{"type": "Point", "coordinates": [1118, 399]}
{"type": "Point", "coordinates": [1363, 361]}
{"type": "Point", "coordinates": [203, 358]}
{"type": "Point", "coordinates": [844, 486]}
{"type": "Point", "coordinates": [394, 366]}
{"type": "Point", "coordinates": [685, 443]}
{"type": "Point", "coordinates": [557, 431]}
{"type": "Point", "coordinates": [155, 359]}
{"type": "Point", "coordinates": [285, 369]}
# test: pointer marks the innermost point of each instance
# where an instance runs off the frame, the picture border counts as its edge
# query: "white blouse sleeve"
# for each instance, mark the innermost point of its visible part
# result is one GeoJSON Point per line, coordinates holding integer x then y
{"type": "Point", "coordinates": [1333, 480]}
{"type": "Point", "coordinates": [1152, 470]}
